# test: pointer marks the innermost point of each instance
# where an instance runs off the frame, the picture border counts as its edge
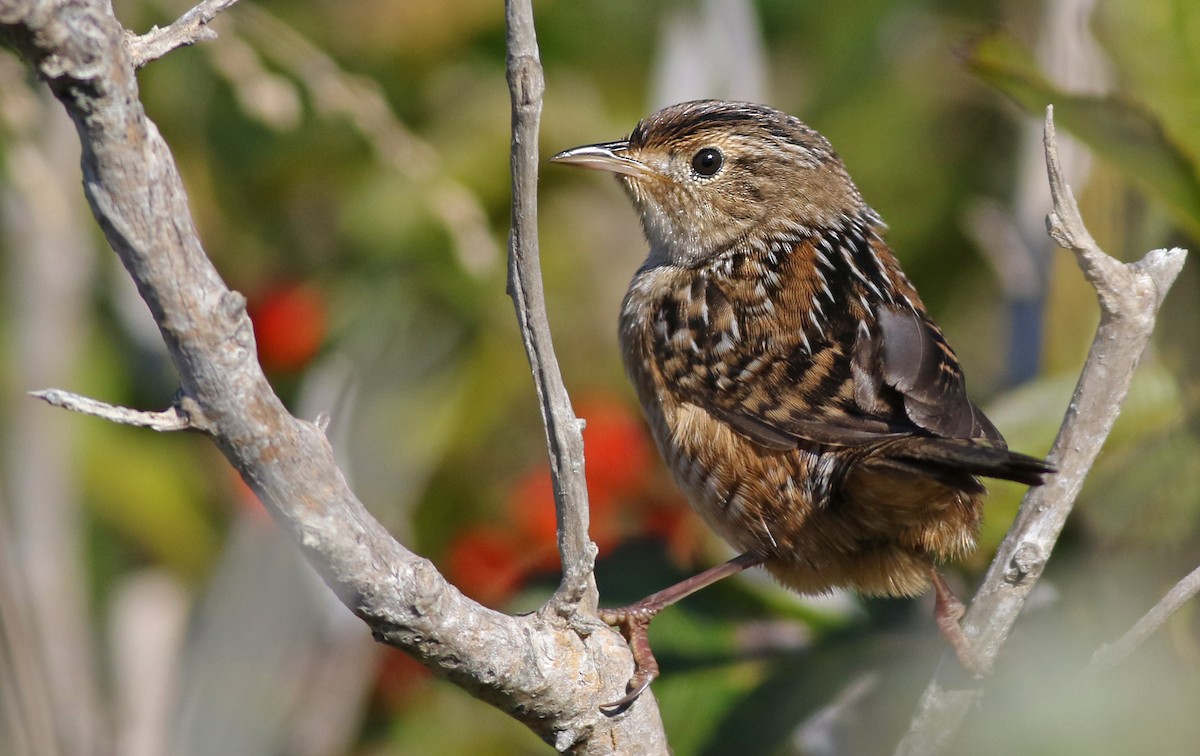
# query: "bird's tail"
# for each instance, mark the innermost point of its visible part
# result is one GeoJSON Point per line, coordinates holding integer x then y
{"type": "Point", "coordinates": [952, 457]}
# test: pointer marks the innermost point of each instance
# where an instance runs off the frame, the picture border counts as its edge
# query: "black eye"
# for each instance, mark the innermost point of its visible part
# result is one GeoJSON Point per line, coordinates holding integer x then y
{"type": "Point", "coordinates": [707, 161]}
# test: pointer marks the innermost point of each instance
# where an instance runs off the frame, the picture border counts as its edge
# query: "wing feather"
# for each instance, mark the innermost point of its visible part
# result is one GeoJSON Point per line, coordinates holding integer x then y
{"type": "Point", "coordinates": [761, 345]}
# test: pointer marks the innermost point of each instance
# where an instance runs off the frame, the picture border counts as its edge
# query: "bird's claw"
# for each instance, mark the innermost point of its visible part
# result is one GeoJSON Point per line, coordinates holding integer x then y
{"type": "Point", "coordinates": [638, 684]}
{"type": "Point", "coordinates": [633, 621]}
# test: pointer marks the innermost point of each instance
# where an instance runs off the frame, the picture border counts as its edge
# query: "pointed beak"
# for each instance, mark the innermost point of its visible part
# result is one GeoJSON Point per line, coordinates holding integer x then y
{"type": "Point", "coordinates": [610, 156]}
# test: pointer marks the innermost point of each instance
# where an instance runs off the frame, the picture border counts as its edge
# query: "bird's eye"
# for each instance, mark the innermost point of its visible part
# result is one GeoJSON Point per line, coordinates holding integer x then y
{"type": "Point", "coordinates": [707, 161]}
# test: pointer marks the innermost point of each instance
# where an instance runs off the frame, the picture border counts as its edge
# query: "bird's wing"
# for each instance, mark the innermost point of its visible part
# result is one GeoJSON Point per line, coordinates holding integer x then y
{"type": "Point", "coordinates": [847, 378]}
{"type": "Point", "coordinates": [905, 358]}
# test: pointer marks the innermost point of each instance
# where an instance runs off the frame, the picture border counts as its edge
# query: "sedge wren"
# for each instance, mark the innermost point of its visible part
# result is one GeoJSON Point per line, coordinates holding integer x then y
{"type": "Point", "coordinates": [809, 408]}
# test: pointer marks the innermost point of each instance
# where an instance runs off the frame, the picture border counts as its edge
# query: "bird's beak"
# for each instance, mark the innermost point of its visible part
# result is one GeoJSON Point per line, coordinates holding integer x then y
{"type": "Point", "coordinates": [610, 156]}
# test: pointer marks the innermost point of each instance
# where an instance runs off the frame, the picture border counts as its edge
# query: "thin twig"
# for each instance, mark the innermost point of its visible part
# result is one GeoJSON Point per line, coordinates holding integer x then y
{"type": "Point", "coordinates": [188, 29]}
{"type": "Point", "coordinates": [1129, 297]}
{"type": "Point", "coordinates": [1113, 654]}
{"type": "Point", "coordinates": [166, 420]}
{"type": "Point", "coordinates": [563, 430]}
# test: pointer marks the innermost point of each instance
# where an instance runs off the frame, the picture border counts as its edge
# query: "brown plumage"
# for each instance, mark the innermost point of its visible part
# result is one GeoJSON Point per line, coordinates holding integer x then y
{"type": "Point", "coordinates": [811, 411]}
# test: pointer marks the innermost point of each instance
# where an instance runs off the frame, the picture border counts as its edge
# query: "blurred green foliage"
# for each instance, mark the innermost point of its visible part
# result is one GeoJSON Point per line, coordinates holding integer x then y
{"type": "Point", "coordinates": [362, 147]}
{"type": "Point", "coordinates": [1146, 142]}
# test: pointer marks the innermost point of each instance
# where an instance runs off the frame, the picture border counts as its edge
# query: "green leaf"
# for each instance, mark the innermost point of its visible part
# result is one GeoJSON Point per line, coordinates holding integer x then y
{"type": "Point", "coordinates": [1130, 138]}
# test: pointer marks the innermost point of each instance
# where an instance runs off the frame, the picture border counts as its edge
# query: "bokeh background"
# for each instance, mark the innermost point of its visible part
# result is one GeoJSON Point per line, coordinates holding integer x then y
{"type": "Point", "coordinates": [347, 163]}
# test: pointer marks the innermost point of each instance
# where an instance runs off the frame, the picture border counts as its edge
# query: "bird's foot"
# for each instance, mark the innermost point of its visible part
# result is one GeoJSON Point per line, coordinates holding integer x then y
{"type": "Point", "coordinates": [947, 611]}
{"type": "Point", "coordinates": [633, 621]}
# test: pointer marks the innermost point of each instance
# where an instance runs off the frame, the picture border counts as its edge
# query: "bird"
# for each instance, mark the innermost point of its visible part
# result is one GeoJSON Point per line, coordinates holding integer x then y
{"type": "Point", "coordinates": [809, 408]}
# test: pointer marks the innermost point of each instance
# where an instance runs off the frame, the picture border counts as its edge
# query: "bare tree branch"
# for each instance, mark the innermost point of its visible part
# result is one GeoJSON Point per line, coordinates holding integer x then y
{"type": "Point", "coordinates": [188, 29]}
{"type": "Point", "coordinates": [167, 420]}
{"type": "Point", "coordinates": [1129, 296]}
{"type": "Point", "coordinates": [639, 728]}
{"type": "Point", "coordinates": [563, 429]}
{"type": "Point", "coordinates": [1114, 653]}
{"type": "Point", "coordinates": [550, 670]}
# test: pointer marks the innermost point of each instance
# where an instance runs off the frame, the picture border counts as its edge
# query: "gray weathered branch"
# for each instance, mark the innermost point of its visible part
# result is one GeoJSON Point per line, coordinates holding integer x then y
{"type": "Point", "coordinates": [639, 729]}
{"type": "Point", "coordinates": [1129, 296]}
{"type": "Point", "coordinates": [563, 429]}
{"type": "Point", "coordinates": [166, 420]}
{"type": "Point", "coordinates": [188, 29]}
{"type": "Point", "coordinates": [550, 670]}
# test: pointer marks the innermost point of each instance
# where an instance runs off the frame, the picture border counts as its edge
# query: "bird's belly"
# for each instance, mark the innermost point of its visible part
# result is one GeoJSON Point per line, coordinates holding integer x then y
{"type": "Point", "coordinates": [874, 531]}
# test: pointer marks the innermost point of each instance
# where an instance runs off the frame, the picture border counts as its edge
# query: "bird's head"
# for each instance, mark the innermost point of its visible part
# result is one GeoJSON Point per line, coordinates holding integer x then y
{"type": "Point", "coordinates": [706, 175]}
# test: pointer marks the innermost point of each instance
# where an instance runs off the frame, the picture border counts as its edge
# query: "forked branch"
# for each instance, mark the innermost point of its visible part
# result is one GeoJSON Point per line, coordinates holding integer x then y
{"type": "Point", "coordinates": [1129, 296]}
{"type": "Point", "coordinates": [549, 670]}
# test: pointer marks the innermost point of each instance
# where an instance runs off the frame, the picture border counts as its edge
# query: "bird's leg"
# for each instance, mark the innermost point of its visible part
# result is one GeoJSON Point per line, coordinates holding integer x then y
{"type": "Point", "coordinates": [634, 620]}
{"type": "Point", "coordinates": [947, 611]}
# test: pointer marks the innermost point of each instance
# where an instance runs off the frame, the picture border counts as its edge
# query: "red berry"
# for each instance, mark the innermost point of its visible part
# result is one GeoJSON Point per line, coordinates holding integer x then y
{"type": "Point", "coordinates": [290, 322]}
